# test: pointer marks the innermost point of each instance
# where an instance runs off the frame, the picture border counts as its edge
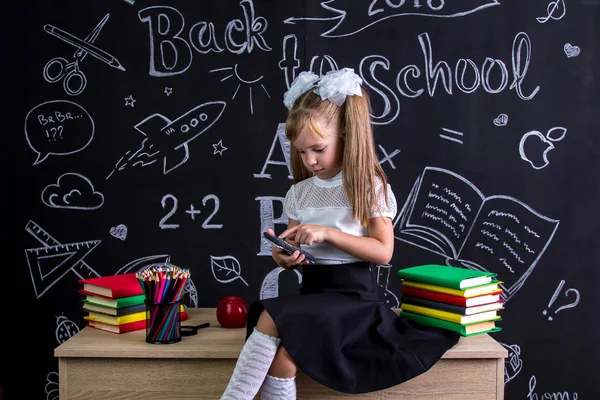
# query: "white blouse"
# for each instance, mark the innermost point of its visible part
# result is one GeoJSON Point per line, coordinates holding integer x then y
{"type": "Point", "coordinates": [324, 202]}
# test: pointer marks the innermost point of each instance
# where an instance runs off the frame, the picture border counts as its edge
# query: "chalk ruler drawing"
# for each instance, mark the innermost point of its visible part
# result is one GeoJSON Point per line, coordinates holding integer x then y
{"type": "Point", "coordinates": [49, 263]}
{"type": "Point", "coordinates": [170, 139]}
{"type": "Point", "coordinates": [241, 81]}
{"type": "Point", "coordinates": [448, 215]}
{"type": "Point", "coordinates": [366, 14]}
{"type": "Point", "coordinates": [269, 288]}
{"type": "Point", "coordinates": [74, 80]}
{"type": "Point", "coordinates": [73, 191]}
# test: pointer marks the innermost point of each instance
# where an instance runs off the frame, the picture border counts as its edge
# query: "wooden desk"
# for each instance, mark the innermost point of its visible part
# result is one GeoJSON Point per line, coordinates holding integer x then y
{"type": "Point", "coordinates": [99, 365]}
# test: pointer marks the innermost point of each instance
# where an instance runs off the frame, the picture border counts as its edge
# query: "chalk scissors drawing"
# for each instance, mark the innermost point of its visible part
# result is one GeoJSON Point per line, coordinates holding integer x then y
{"type": "Point", "coordinates": [49, 263]}
{"type": "Point", "coordinates": [169, 139]}
{"type": "Point", "coordinates": [448, 215]}
{"type": "Point", "coordinates": [74, 80]}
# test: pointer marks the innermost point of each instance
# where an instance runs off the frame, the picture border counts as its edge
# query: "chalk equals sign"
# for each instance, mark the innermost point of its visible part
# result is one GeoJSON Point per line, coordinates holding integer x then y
{"type": "Point", "coordinates": [454, 139]}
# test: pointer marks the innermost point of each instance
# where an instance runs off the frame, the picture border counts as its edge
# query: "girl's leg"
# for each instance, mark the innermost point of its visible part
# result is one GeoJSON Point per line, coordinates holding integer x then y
{"type": "Point", "coordinates": [280, 382]}
{"type": "Point", "coordinates": [254, 361]}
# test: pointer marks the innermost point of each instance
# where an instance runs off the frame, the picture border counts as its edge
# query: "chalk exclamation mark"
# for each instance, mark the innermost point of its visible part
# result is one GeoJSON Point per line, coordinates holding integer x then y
{"type": "Point", "coordinates": [553, 299]}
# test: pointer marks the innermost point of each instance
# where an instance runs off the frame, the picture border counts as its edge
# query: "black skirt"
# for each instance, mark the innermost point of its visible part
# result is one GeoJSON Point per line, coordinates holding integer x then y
{"type": "Point", "coordinates": [338, 331]}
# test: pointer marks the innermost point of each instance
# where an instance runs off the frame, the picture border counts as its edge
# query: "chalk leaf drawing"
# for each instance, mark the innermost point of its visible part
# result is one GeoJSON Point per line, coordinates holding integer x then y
{"type": "Point", "coordinates": [534, 146]}
{"type": "Point", "coordinates": [73, 191]}
{"type": "Point", "coordinates": [448, 215]}
{"type": "Point", "coordinates": [51, 387]}
{"type": "Point", "coordinates": [49, 263]}
{"type": "Point", "coordinates": [65, 329]}
{"type": "Point", "coordinates": [226, 269]}
{"type": "Point", "coordinates": [571, 51]}
{"type": "Point", "coordinates": [501, 120]}
{"type": "Point", "coordinates": [119, 231]}
{"type": "Point", "coordinates": [270, 286]}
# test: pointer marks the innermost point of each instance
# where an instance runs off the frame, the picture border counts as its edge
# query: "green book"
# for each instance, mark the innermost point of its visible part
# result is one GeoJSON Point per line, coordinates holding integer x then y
{"type": "Point", "coordinates": [446, 276]}
{"type": "Point", "coordinates": [465, 330]}
{"type": "Point", "coordinates": [115, 303]}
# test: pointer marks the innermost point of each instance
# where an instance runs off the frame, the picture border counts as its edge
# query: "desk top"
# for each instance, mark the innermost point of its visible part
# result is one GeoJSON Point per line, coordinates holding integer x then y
{"type": "Point", "coordinates": [216, 342]}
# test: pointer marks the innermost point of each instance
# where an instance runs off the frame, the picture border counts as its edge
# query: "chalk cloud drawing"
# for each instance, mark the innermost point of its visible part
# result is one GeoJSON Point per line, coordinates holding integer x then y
{"type": "Point", "coordinates": [49, 263]}
{"type": "Point", "coordinates": [51, 388]}
{"type": "Point", "coordinates": [241, 81]}
{"type": "Point", "coordinates": [576, 296]}
{"type": "Point", "coordinates": [571, 51]}
{"type": "Point", "coordinates": [448, 215]}
{"type": "Point", "coordinates": [129, 101]}
{"type": "Point", "coordinates": [58, 127]}
{"type": "Point", "coordinates": [513, 363]}
{"type": "Point", "coordinates": [219, 148]}
{"type": "Point", "coordinates": [170, 139]}
{"type": "Point", "coordinates": [534, 146]}
{"type": "Point", "coordinates": [168, 91]}
{"type": "Point", "coordinates": [269, 288]}
{"type": "Point", "coordinates": [119, 231]}
{"type": "Point", "coordinates": [74, 80]}
{"type": "Point", "coordinates": [366, 14]}
{"type": "Point", "coordinates": [73, 191]}
{"type": "Point", "coordinates": [383, 279]}
{"type": "Point", "coordinates": [65, 329]}
{"type": "Point", "coordinates": [388, 157]}
{"type": "Point", "coordinates": [226, 269]}
{"type": "Point", "coordinates": [501, 120]}
{"type": "Point", "coordinates": [555, 10]}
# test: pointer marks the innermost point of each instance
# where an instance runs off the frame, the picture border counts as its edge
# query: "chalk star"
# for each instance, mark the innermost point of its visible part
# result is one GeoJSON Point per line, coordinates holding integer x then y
{"type": "Point", "coordinates": [219, 148]}
{"type": "Point", "coordinates": [192, 211]}
{"type": "Point", "coordinates": [129, 101]}
{"type": "Point", "coordinates": [168, 91]}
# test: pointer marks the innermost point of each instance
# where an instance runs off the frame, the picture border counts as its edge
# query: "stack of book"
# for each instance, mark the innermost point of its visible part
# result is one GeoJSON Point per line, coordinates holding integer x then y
{"type": "Point", "coordinates": [459, 299]}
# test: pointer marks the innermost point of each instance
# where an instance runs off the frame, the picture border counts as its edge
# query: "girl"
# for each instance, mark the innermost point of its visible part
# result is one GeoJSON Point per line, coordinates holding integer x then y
{"type": "Point", "coordinates": [340, 209]}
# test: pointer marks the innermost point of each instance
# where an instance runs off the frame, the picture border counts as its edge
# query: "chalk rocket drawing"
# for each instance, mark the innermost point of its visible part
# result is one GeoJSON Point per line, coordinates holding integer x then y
{"type": "Point", "coordinates": [168, 139]}
{"type": "Point", "coordinates": [226, 269]}
{"type": "Point", "coordinates": [74, 80]}
{"type": "Point", "coordinates": [270, 285]}
{"type": "Point", "coordinates": [73, 191]}
{"type": "Point", "coordinates": [240, 81]}
{"type": "Point", "coordinates": [448, 215]}
{"type": "Point", "coordinates": [49, 263]}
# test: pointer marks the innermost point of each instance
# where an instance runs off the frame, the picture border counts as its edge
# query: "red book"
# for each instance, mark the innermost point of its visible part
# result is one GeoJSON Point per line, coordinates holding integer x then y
{"type": "Point", "coordinates": [447, 298]}
{"type": "Point", "coordinates": [113, 286]}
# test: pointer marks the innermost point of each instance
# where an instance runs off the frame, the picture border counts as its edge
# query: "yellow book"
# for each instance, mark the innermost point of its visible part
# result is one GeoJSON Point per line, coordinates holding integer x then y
{"type": "Point", "coordinates": [470, 292]}
{"type": "Point", "coordinates": [124, 319]}
{"type": "Point", "coordinates": [451, 317]}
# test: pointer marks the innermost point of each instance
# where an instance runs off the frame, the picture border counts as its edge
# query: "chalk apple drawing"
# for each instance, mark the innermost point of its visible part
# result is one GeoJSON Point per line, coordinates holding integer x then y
{"type": "Point", "coordinates": [530, 153]}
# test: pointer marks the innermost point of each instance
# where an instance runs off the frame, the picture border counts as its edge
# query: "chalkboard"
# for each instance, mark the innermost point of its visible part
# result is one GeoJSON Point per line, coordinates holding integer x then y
{"type": "Point", "coordinates": [143, 132]}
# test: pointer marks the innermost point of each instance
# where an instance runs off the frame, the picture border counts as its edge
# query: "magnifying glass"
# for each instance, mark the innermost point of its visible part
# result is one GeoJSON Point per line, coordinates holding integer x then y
{"type": "Point", "coordinates": [191, 330]}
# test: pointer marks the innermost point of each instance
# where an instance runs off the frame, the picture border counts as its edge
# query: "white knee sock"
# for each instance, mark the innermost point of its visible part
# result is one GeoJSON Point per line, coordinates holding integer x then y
{"type": "Point", "coordinates": [252, 366]}
{"type": "Point", "coordinates": [278, 388]}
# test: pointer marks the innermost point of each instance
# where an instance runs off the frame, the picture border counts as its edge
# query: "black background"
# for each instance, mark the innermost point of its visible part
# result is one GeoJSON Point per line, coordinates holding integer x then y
{"type": "Point", "coordinates": [550, 357]}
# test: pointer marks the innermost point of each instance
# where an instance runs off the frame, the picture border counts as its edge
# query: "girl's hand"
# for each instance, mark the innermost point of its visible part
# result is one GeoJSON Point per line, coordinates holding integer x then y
{"type": "Point", "coordinates": [282, 258]}
{"type": "Point", "coordinates": [306, 234]}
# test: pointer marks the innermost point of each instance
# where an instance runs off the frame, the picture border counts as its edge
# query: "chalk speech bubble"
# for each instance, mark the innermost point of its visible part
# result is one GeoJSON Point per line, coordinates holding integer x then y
{"type": "Point", "coordinates": [58, 127]}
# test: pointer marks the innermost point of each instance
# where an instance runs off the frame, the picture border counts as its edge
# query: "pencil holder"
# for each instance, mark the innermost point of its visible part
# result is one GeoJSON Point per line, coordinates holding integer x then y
{"type": "Point", "coordinates": [163, 322]}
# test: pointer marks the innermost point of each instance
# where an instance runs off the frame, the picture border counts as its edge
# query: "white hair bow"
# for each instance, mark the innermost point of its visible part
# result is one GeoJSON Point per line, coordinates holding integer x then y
{"type": "Point", "coordinates": [302, 84]}
{"type": "Point", "coordinates": [336, 85]}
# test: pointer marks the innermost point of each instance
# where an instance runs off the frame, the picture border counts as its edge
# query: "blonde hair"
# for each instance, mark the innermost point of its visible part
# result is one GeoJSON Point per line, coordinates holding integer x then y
{"type": "Point", "coordinates": [360, 165]}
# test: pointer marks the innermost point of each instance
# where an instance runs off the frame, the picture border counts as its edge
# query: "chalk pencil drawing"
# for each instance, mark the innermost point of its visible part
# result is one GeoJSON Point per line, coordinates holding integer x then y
{"type": "Point", "coordinates": [58, 127]}
{"type": "Point", "coordinates": [555, 10]}
{"type": "Point", "coordinates": [535, 146]}
{"type": "Point", "coordinates": [74, 80]}
{"type": "Point", "coordinates": [512, 363]}
{"type": "Point", "coordinates": [269, 288]}
{"type": "Point", "coordinates": [388, 157]}
{"type": "Point", "coordinates": [501, 120]}
{"type": "Point", "coordinates": [65, 329]}
{"type": "Point", "coordinates": [365, 14]}
{"type": "Point", "coordinates": [129, 101]}
{"type": "Point", "coordinates": [72, 191]}
{"type": "Point", "coordinates": [448, 215]}
{"type": "Point", "coordinates": [168, 139]}
{"type": "Point", "coordinates": [383, 279]}
{"type": "Point", "coordinates": [219, 148]}
{"type": "Point", "coordinates": [51, 387]}
{"type": "Point", "coordinates": [576, 297]}
{"type": "Point", "coordinates": [571, 51]}
{"type": "Point", "coordinates": [241, 81]}
{"type": "Point", "coordinates": [119, 231]}
{"type": "Point", "coordinates": [226, 269]}
{"type": "Point", "coordinates": [49, 263]}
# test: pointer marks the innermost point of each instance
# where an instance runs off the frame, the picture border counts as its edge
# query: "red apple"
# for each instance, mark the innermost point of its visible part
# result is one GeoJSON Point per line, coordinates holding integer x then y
{"type": "Point", "coordinates": [232, 312]}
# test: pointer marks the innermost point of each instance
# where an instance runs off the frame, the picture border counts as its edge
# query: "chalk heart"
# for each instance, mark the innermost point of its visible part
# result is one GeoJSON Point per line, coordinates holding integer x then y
{"type": "Point", "coordinates": [571, 51]}
{"type": "Point", "coordinates": [119, 231]}
{"type": "Point", "coordinates": [501, 120]}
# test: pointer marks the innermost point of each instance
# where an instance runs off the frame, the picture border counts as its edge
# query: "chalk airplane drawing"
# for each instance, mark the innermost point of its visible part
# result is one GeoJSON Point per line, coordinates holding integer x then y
{"type": "Point", "coordinates": [48, 264]}
{"type": "Point", "coordinates": [170, 139]}
{"type": "Point", "coordinates": [448, 215]}
{"type": "Point", "coordinates": [378, 11]}
{"type": "Point", "coordinates": [74, 80]}
{"type": "Point", "coordinates": [242, 81]}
